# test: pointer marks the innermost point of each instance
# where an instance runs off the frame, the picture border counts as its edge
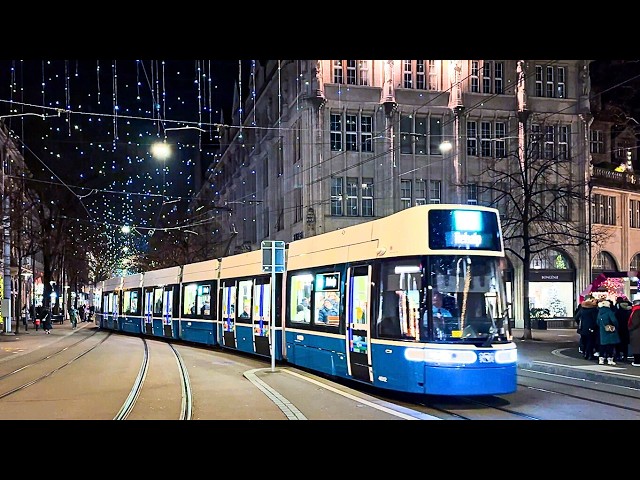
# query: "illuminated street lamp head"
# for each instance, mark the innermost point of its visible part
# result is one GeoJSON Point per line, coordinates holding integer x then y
{"type": "Point", "coordinates": [161, 150]}
{"type": "Point", "coordinates": [126, 229]}
{"type": "Point", "coordinates": [445, 146]}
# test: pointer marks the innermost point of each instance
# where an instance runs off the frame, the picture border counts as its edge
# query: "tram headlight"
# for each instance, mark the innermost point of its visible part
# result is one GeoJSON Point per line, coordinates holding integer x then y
{"type": "Point", "coordinates": [449, 357]}
{"type": "Point", "coordinates": [507, 356]}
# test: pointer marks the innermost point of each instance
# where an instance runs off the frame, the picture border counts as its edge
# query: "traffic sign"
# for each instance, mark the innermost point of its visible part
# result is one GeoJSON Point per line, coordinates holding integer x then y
{"type": "Point", "coordinates": [272, 256]}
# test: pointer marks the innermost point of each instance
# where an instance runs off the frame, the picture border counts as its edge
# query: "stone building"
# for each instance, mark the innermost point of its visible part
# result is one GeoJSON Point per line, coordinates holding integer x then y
{"type": "Point", "coordinates": [318, 145]}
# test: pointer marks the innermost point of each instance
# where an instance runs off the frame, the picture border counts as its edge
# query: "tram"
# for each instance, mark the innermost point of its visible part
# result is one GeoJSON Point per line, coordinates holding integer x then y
{"type": "Point", "coordinates": [413, 302]}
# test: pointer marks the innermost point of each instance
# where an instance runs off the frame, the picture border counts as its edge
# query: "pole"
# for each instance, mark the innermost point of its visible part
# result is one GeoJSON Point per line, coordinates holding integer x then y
{"type": "Point", "coordinates": [6, 241]}
{"type": "Point", "coordinates": [272, 337]}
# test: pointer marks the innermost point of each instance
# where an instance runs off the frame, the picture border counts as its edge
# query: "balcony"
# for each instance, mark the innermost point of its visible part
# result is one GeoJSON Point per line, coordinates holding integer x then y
{"type": "Point", "coordinates": [607, 177]}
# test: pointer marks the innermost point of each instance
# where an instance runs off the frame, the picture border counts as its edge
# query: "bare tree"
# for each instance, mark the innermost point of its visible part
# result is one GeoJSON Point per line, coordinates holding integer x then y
{"type": "Point", "coordinates": [540, 191]}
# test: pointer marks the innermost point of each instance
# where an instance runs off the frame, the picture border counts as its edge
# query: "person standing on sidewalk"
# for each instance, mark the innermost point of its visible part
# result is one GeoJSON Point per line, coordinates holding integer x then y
{"type": "Point", "coordinates": [73, 316]}
{"type": "Point", "coordinates": [608, 337]}
{"type": "Point", "coordinates": [46, 320]}
{"type": "Point", "coordinates": [634, 332]}
{"type": "Point", "coordinates": [588, 327]}
{"type": "Point", "coordinates": [623, 311]}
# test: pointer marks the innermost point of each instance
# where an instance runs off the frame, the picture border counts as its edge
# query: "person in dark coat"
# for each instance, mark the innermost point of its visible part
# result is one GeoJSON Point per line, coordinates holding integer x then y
{"type": "Point", "coordinates": [623, 311]}
{"type": "Point", "coordinates": [634, 333]}
{"type": "Point", "coordinates": [46, 322]}
{"type": "Point", "coordinates": [588, 326]}
{"type": "Point", "coordinates": [608, 339]}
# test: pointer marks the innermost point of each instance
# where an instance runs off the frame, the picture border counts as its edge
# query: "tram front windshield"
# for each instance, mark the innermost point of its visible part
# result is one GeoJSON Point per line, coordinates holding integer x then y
{"type": "Point", "coordinates": [444, 298]}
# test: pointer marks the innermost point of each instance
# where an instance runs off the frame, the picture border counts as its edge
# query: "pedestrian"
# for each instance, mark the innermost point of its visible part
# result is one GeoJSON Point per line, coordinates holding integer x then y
{"type": "Point", "coordinates": [623, 311]}
{"type": "Point", "coordinates": [25, 318]}
{"type": "Point", "coordinates": [609, 337]}
{"type": "Point", "coordinates": [73, 316]}
{"type": "Point", "coordinates": [37, 318]}
{"type": "Point", "coordinates": [81, 312]}
{"type": "Point", "coordinates": [46, 320]}
{"type": "Point", "coordinates": [634, 332]}
{"type": "Point", "coordinates": [588, 326]}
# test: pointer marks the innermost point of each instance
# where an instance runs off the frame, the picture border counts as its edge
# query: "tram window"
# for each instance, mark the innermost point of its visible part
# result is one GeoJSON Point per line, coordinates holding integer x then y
{"type": "Point", "coordinates": [157, 304]}
{"type": "Point", "coordinates": [204, 299]}
{"type": "Point", "coordinates": [189, 299]}
{"type": "Point", "coordinates": [300, 295]}
{"type": "Point", "coordinates": [399, 301]}
{"type": "Point", "coordinates": [130, 302]}
{"type": "Point", "coordinates": [244, 301]}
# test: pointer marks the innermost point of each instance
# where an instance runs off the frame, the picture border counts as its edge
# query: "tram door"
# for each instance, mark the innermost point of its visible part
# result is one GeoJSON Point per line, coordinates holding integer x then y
{"type": "Point", "coordinates": [167, 313]}
{"type": "Point", "coordinates": [357, 317]}
{"type": "Point", "coordinates": [261, 317]}
{"type": "Point", "coordinates": [148, 312]}
{"type": "Point", "coordinates": [228, 314]}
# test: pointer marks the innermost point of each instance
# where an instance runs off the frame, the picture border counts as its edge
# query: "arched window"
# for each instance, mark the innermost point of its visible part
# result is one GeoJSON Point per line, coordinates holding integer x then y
{"type": "Point", "coordinates": [634, 264]}
{"type": "Point", "coordinates": [604, 262]}
{"type": "Point", "coordinates": [551, 259]}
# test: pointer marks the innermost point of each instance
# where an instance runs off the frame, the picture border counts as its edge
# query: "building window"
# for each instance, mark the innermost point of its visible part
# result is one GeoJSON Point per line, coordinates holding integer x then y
{"type": "Point", "coordinates": [596, 141]}
{"type": "Point", "coordinates": [352, 197]}
{"type": "Point", "coordinates": [336, 132]}
{"type": "Point", "coordinates": [490, 76]}
{"type": "Point", "coordinates": [407, 74]}
{"type": "Point", "coordinates": [500, 149]}
{"type": "Point", "coordinates": [472, 139]}
{"type": "Point", "coordinates": [560, 209]}
{"type": "Point", "coordinates": [435, 191]}
{"type": "Point", "coordinates": [280, 158]}
{"type": "Point", "coordinates": [563, 142]}
{"type": "Point", "coordinates": [297, 147]}
{"type": "Point", "coordinates": [603, 209]}
{"type": "Point", "coordinates": [421, 192]}
{"type": "Point", "coordinates": [265, 172]}
{"type": "Point", "coordinates": [337, 72]}
{"type": "Point", "coordinates": [634, 213]}
{"type": "Point", "coordinates": [414, 134]}
{"type": "Point", "coordinates": [336, 196]}
{"type": "Point", "coordinates": [420, 74]}
{"type": "Point", "coordinates": [364, 72]}
{"type": "Point", "coordinates": [357, 134]}
{"type": "Point", "coordinates": [433, 75]}
{"type": "Point", "coordinates": [536, 139]}
{"type": "Point", "coordinates": [550, 81]}
{"type": "Point", "coordinates": [351, 133]}
{"type": "Point", "coordinates": [472, 194]}
{"type": "Point", "coordinates": [560, 86]}
{"type": "Point", "coordinates": [486, 139]}
{"type": "Point", "coordinates": [357, 72]}
{"type": "Point", "coordinates": [549, 140]}
{"type": "Point", "coordinates": [405, 193]}
{"type": "Point", "coordinates": [367, 197]}
{"type": "Point", "coordinates": [265, 223]}
{"type": "Point", "coordinates": [297, 203]}
{"type": "Point", "coordinates": [475, 76]}
{"type": "Point", "coordinates": [366, 133]}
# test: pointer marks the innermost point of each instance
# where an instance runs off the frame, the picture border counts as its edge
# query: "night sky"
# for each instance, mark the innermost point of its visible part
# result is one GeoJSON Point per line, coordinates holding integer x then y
{"type": "Point", "coordinates": [101, 118]}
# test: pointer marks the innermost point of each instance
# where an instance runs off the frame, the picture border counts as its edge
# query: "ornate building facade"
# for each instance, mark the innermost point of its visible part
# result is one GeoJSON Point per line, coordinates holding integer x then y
{"type": "Point", "coordinates": [318, 145]}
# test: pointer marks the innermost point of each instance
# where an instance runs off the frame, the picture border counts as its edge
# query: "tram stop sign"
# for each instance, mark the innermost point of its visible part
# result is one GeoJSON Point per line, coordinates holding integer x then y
{"type": "Point", "coordinates": [272, 256]}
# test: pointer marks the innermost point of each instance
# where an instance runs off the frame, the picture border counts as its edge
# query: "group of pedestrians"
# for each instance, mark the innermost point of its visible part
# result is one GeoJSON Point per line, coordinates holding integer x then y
{"type": "Point", "coordinates": [606, 330]}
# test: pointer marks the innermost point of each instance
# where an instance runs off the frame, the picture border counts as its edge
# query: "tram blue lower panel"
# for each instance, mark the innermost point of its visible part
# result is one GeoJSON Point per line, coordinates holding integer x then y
{"type": "Point", "coordinates": [198, 332]}
{"type": "Point", "coordinates": [471, 380]}
{"type": "Point", "coordinates": [392, 370]}
{"type": "Point", "coordinates": [323, 354]}
{"type": "Point", "coordinates": [244, 338]}
{"type": "Point", "coordinates": [130, 325]}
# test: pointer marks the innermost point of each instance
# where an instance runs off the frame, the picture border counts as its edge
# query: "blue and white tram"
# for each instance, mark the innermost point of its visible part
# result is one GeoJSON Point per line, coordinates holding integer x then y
{"type": "Point", "coordinates": [413, 302]}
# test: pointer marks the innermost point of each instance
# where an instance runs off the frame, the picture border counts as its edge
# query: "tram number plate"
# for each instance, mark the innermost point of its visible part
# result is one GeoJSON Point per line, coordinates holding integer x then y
{"type": "Point", "coordinates": [487, 357]}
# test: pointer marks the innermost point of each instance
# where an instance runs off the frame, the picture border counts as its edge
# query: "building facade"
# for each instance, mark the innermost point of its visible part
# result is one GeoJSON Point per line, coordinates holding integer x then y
{"type": "Point", "coordinates": [318, 145]}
